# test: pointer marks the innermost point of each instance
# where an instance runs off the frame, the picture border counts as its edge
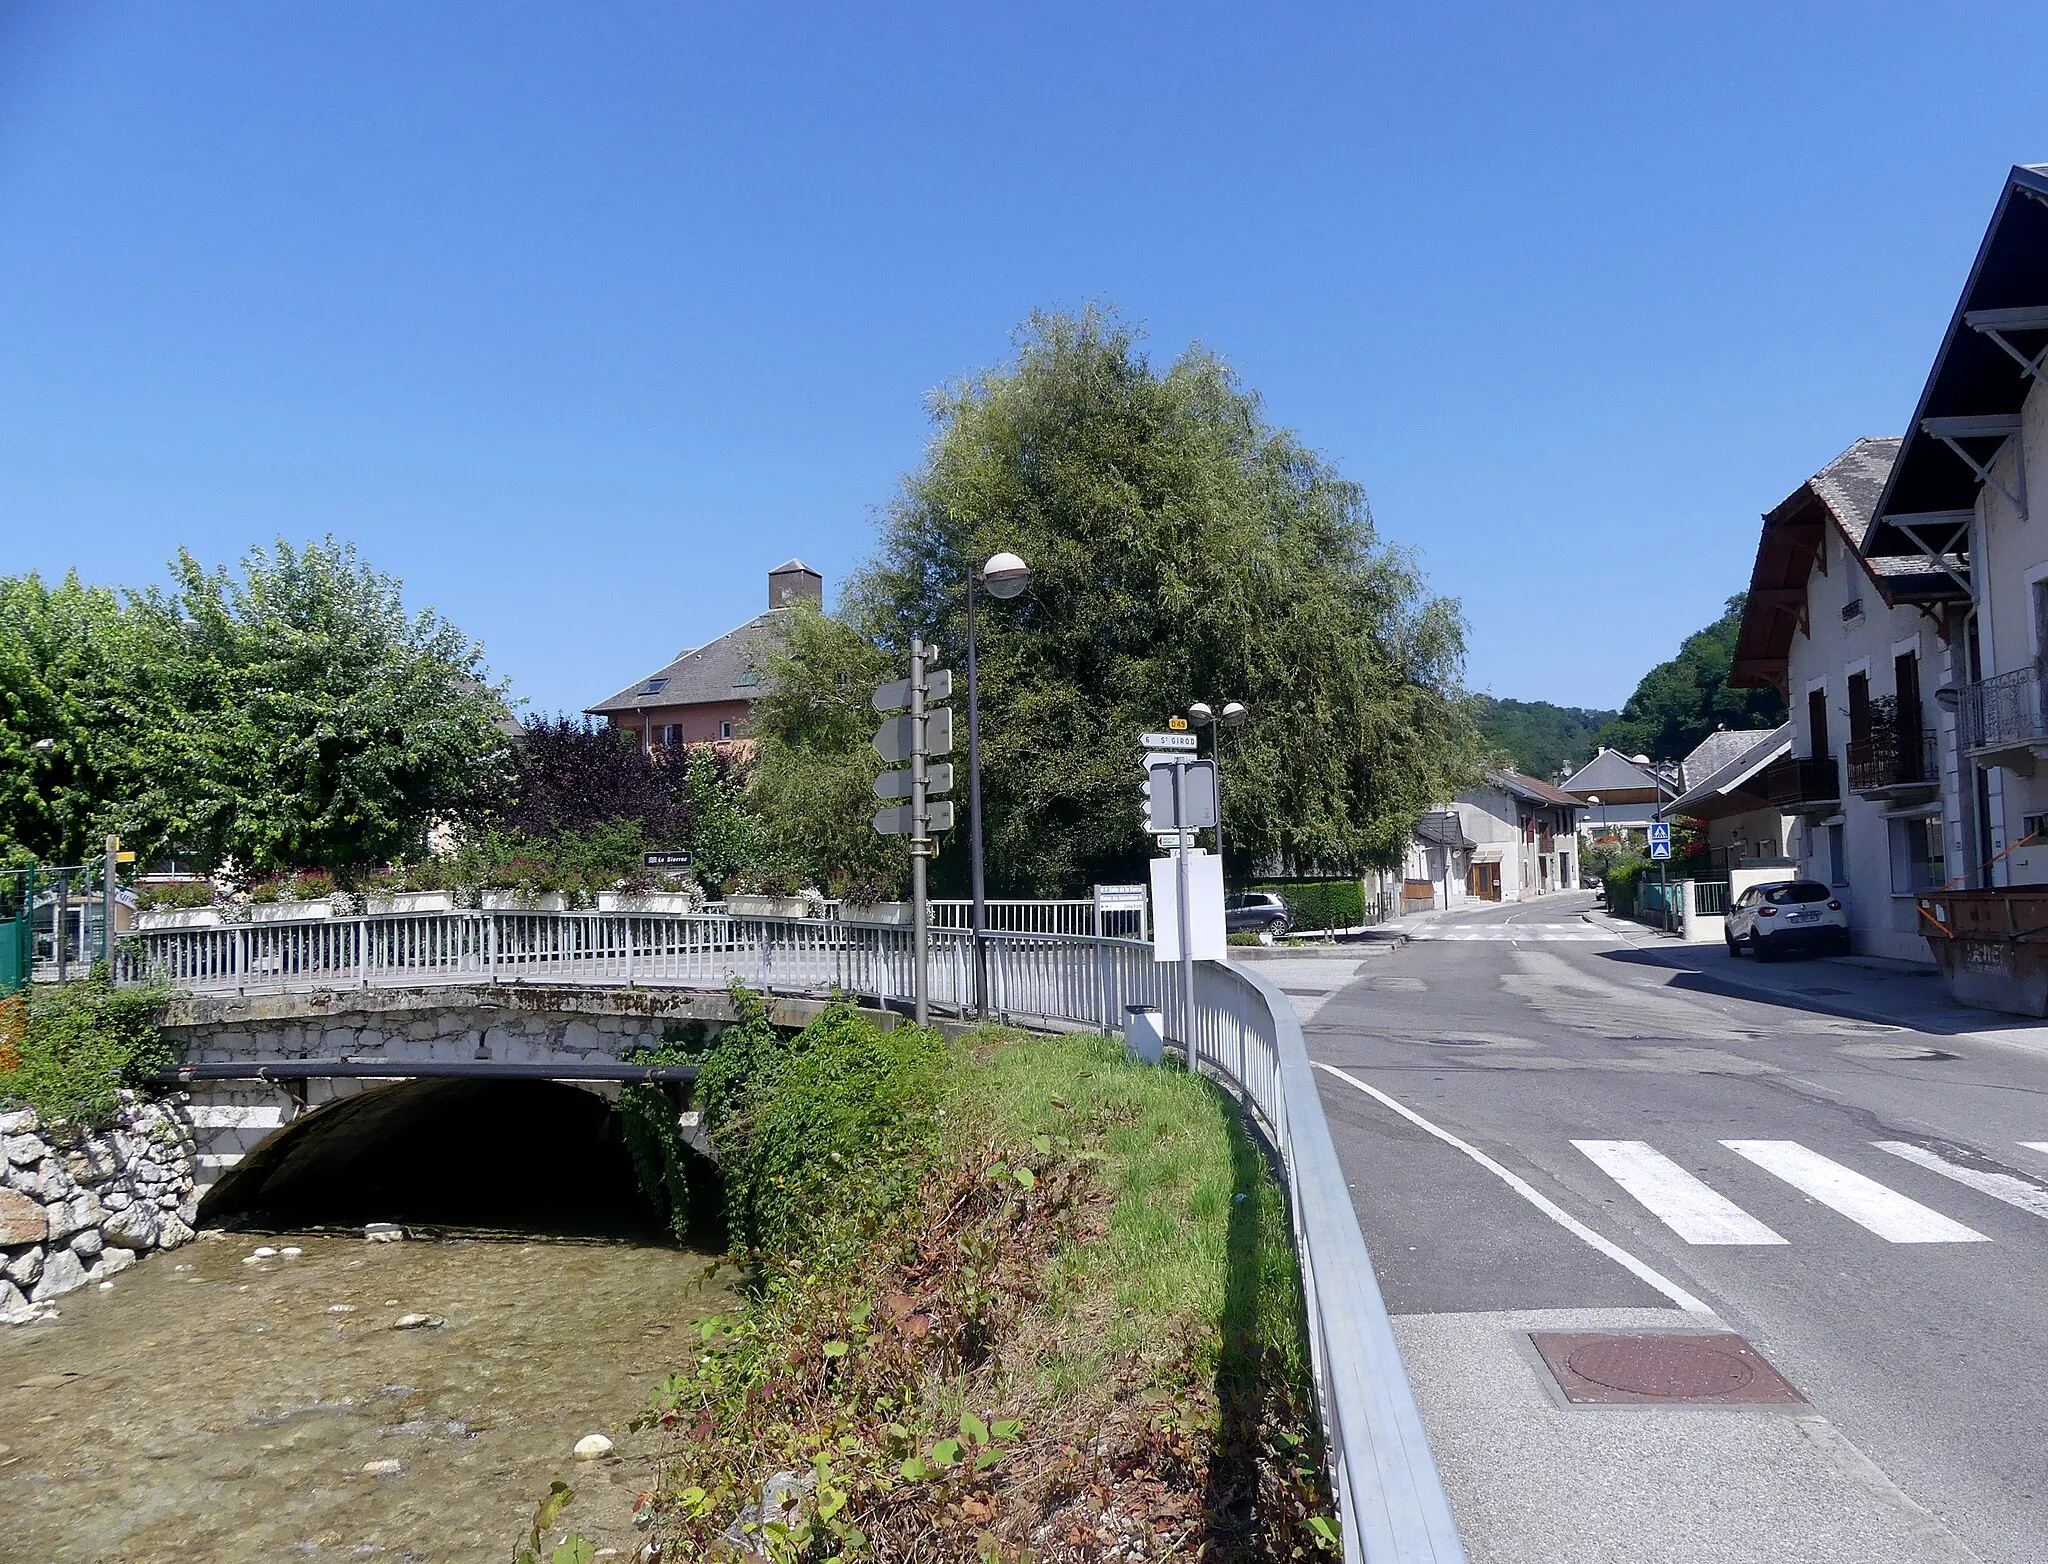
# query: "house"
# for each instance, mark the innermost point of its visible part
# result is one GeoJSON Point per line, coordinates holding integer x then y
{"type": "Point", "coordinates": [1524, 838]}
{"type": "Point", "coordinates": [1618, 794]}
{"type": "Point", "coordinates": [1725, 791]}
{"type": "Point", "coordinates": [706, 694]}
{"type": "Point", "coordinates": [1857, 646]}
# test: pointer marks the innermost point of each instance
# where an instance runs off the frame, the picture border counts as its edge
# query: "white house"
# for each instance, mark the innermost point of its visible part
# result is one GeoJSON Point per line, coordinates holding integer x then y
{"type": "Point", "coordinates": [1511, 840]}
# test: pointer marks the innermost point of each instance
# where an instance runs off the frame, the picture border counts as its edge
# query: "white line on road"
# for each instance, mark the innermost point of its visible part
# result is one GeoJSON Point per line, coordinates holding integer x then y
{"type": "Point", "coordinates": [1999, 1186]}
{"type": "Point", "coordinates": [1673, 1196]}
{"type": "Point", "coordinates": [1862, 1200]}
{"type": "Point", "coordinates": [2035, 1145]}
{"type": "Point", "coordinates": [1522, 1187]}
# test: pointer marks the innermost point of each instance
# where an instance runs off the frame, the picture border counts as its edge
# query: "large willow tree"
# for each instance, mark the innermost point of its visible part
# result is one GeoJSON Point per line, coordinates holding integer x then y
{"type": "Point", "coordinates": [1181, 549]}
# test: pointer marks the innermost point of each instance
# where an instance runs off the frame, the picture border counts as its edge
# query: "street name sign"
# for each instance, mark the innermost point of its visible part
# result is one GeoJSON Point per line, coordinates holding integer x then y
{"type": "Point", "coordinates": [897, 821]}
{"type": "Point", "coordinates": [895, 695]}
{"type": "Point", "coordinates": [1167, 740]}
{"type": "Point", "coordinates": [896, 738]}
{"type": "Point", "coordinates": [896, 784]}
{"type": "Point", "coordinates": [673, 858]}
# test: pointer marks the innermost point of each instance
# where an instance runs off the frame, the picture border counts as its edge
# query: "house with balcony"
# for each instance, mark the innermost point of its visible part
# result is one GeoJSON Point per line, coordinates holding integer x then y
{"type": "Point", "coordinates": [705, 694]}
{"type": "Point", "coordinates": [1857, 647]}
{"type": "Point", "coordinates": [1523, 835]}
{"type": "Point", "coordinates": [1726, 790]}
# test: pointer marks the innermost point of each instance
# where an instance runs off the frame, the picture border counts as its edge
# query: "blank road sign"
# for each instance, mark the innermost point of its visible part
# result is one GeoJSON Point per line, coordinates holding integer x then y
{"type": "Point", "coordinates": [895, 695]}
{"type": "Point", "coordinates": [896, 784]}
{"type": "Point", "coordinates": [1198, 797]}
{"type": "Point", "coordinates": [896, 821]}
{"type": "Point", "coordinates": [896, 738]}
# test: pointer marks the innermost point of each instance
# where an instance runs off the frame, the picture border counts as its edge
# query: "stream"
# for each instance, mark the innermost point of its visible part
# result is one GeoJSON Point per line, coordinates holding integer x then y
{"type": "Point", "coordinates": [209, 1407]}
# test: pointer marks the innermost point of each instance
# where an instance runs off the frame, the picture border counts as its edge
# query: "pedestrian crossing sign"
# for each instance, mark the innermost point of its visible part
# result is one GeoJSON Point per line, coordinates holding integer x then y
{"type": "Point", "coordinates": [1660, 831]}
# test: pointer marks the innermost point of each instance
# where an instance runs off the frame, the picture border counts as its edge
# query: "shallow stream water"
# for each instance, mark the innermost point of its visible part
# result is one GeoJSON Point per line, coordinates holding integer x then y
{"type": "Point", "coordinates": [208, 1408]}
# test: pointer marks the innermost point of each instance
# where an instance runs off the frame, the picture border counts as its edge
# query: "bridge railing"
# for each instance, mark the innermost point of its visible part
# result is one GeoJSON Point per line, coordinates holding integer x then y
{"type": "Point", "coordinates": [1241, 1030]}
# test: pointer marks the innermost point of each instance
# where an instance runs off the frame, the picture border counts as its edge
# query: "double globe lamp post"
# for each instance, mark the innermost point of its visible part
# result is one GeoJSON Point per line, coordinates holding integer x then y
{"type": "Point", "coordinates": [1004, 576]}
{"type": "Point", "coordinates": [1202, 715]}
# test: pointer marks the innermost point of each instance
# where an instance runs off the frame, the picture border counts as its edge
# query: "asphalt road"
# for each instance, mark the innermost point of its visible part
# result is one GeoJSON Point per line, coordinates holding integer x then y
{"type": "Point", "coordinates": [1909, 1305]}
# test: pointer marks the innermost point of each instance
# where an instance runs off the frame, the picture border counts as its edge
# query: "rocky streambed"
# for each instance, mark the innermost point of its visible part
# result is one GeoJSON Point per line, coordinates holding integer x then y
{"type": "Point", "coordinates": [356, 1400]}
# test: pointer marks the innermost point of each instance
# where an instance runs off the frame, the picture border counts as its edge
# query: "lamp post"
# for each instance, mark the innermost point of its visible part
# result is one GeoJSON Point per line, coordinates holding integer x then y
{"type": "Point", "coordinates": [1232, 715]}
{"type": "Point", "coordinates": [1005, 576]}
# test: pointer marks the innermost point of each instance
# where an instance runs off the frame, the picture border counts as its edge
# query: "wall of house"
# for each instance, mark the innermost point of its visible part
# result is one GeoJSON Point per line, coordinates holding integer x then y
{"type": "Point", "coordinates": [700, 723]}
{"type": "Point", "coordinates": [1488, 815]}
{"type": "Point", "coordinates": [1882, 921]}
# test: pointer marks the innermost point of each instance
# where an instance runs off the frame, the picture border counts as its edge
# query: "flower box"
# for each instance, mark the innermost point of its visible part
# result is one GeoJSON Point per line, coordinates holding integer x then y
{"type": "Point", "coordinates": [289, 911]}
{"type": "Point", "coordinates": [515, 901]}
{"type": "Point", "coordinates": [895, 914]}
{"type": "Point", "coordinates": [767, 906]}
{"type": "Point", "coordinates": [411, 901]}
{"type": "Point", "coordinates": [646, 901]}
{"type": "Point", "coordinates": [180, 918]}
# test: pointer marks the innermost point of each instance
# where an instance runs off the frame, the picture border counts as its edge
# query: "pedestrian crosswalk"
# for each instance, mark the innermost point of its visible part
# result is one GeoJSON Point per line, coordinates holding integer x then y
{"type": "Point", "coordinates": [1498, 932]}
{"type": "Point", "coordinates": [1699, 1213]}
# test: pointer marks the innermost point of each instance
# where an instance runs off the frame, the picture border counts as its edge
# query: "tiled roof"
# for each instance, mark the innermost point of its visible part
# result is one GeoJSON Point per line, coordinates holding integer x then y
{"type": "Point", "coordinates": [727, 669]}
{"type": "Point", "coordinates": [1738, 769]}
{"type": "Point", "coordinates": [1715, 751]}
{"type": "Point", "coordinates": [1443, 827]}
{"type": "Point", "coordinates": [1609, 769]}
{"type": "Point", "coordinates": [1535, 792]}
{"type": "Point", "coordinates": [1850, 484]}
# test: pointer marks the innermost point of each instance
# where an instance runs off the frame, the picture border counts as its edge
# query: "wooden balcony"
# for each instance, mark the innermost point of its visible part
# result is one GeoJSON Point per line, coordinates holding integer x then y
{"type": "Point", "coordinates": [1794, 783]}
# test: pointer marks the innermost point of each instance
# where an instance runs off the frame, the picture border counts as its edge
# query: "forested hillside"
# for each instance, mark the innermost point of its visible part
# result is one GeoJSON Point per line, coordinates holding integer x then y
{"type": "Point", "coordinates": [1541, 738]}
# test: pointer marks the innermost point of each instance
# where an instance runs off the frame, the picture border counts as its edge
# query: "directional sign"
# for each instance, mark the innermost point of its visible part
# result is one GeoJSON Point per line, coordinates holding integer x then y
{"type": "Point", "coordinates": [1660, 831]}
{"type": "Point", "coordinates": [666, 860]}
{"type": "Point", "coordinates": [1197, 797]}
{"type": "Point", "coordinates": [896, 821]}
{"type": "Point", "coordinates": [1659, 850]}
{"type": "Point", "coordinates": [896, 738]}
{"type": "Point", "coordinates": [1167, 740]}
{"type": "Point", "coordinates": [896, 784]}
{"type": "Point", "coordinates": [895, 696]}
{"type": "Point", "coordinates": [1119, 898]}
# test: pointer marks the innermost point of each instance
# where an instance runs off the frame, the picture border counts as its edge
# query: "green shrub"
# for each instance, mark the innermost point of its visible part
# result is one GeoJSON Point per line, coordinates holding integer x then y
{"type": "Point", "coordinates": [83, 1042]}
{"type": "Point", "coordinates": [1320, 904]}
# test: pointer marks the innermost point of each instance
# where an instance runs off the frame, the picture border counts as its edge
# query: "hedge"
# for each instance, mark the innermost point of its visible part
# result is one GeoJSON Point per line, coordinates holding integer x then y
{"type": "Point", "coordinates": [1320, 904]}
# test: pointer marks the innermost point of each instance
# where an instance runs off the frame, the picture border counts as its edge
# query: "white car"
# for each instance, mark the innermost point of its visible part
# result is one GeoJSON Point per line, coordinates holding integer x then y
{"type": "Point", "coordinates": [1787, 916]}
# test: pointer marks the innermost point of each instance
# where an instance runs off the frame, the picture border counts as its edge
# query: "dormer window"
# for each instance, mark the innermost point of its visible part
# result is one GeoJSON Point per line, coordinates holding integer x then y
{"type": "Point", "coordinates": [747, 677]}
{"type": "Point", "coordinates": [654, 686]}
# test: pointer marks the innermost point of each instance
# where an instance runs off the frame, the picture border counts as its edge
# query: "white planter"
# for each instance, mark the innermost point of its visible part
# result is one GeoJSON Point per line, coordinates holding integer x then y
{"type": "Point", "coordinates": [289, 911]}
{"type": "Point", "coordinates": [646, 901]}
{"type": "Point", "coordinates": [412, 901]}
{"type": "Point", "coordinates": [895, 914]}
{"type": "Point", "coordinates": [179, 918]}
{"type": "Point", "coordinates": [511, 901]}
{"type": "Point", "coordinates": [767, 906]}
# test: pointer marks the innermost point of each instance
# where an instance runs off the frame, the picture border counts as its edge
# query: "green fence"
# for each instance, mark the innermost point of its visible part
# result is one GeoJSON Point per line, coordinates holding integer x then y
{"type": "Point", "coordinates": [17, 929]}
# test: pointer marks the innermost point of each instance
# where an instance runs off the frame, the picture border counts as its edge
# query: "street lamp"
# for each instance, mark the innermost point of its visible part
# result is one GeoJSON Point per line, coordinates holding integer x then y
{"type": "Point", "coordinates": [1004, 576]}
{"type": "Point", "coordinates": [1202, 716]}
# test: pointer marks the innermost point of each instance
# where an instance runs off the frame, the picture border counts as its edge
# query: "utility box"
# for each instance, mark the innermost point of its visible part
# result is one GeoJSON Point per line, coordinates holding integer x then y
{"type": "Point", "coordinates": [1144, 1034]}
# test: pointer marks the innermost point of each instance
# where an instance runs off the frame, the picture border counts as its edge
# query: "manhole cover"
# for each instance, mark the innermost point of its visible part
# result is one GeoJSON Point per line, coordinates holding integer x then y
{"type": "Point", "coordinates": [1662, 1369]}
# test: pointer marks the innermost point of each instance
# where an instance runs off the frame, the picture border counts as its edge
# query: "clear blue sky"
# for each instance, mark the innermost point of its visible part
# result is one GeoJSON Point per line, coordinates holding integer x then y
{"type": "Point", "coordinates": [580, 317]}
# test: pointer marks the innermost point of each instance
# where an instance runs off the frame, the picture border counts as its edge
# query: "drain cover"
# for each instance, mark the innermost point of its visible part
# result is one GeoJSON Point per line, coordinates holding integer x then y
{"type": "Point", "coordinates": [1662, 1369]}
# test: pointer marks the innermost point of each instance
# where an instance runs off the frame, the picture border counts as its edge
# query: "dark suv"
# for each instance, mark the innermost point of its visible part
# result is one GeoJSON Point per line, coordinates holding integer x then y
{"type": "Point", "coordinates": [1256, 912]}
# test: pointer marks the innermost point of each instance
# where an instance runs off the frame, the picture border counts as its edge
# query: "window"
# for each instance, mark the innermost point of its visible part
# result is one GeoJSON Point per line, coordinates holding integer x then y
{"type": "Point", "coordinates": [654, 686]}
{"type": "Point", "coordinates": [748, 677]}
{"type": "Point", "coordinates": [1859, 707]}
{"type": "Point", "coordinates": [1919, 858]}
{"type": "Point", "coordinates": [1817, 725]}
{"type": "Point", "coordinates": [1797, 893]}
{"type": "Point", "coordinates": [725, 730]}
{"type": "Point", "coordinates": [1838, 859]}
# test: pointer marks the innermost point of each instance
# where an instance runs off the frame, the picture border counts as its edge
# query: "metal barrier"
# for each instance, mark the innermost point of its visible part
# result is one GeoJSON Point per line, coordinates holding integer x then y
{"type": "Point", "coordinates": [1710, 898]}
{"type": "Point", "coordinates": [1241, 1032]}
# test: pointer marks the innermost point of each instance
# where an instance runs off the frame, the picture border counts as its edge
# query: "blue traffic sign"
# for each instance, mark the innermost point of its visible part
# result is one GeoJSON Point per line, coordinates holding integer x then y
{"type": "Point", "coordinates": [1660, 831]}
{"type": "Point", "coordinates": [1659, 849]}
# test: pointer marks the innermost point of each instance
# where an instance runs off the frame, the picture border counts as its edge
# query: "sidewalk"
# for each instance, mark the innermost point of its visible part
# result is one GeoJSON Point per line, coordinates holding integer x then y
{"type": "Point", "coordinates": [1866, 988]}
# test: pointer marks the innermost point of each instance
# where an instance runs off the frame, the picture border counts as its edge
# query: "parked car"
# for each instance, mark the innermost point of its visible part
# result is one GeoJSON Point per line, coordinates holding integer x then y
{"type": "Point", "coordinates": [1256, 912]}
{"type": "Point", "coordinates": [1787, 916]}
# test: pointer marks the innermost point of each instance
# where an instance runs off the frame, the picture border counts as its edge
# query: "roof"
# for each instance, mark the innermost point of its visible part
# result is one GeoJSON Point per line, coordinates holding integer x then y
{"type": "Point", "coordinates": [1973, 376]}
{"type": "Point", "coordinates": [1529, 790]}
{"type": "Point", "coordinates": [1444, 828]}
{"type": "Point", "coordinates": [1609, 769]}
{"type": "Point", "coordinates": [1715, 751]}
{"type": "Point", "coordinates": [727, 669]}
{"type": "Point", "coordinates": [1725, 791]}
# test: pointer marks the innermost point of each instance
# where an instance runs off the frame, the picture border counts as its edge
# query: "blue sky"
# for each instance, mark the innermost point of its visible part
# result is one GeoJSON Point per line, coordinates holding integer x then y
{"type": "Point", "coordinates": [579, 318]}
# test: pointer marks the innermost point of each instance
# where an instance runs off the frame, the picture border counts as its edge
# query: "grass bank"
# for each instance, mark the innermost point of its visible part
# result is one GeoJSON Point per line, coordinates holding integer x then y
{"type": "Point", "coordinates": [1012, 1298]}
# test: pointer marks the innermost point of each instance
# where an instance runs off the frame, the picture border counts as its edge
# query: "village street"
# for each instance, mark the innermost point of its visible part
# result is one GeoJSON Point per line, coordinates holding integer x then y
{"type": "Point", "coordinates": [1544, 1129]}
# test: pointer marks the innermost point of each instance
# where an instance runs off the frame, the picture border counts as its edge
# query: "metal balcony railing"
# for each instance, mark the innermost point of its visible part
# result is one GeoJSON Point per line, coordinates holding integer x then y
{"type": "Point", "coordinates": [1794, 781]}
{"type": "Point", "coordinates": [1893, 758]}
{"type": "Point", "coordinates": [2005, 712]}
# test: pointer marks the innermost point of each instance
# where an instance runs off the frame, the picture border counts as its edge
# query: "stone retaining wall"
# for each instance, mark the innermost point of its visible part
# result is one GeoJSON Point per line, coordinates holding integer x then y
{"type": "Point", "coordinates": [78, 1208]}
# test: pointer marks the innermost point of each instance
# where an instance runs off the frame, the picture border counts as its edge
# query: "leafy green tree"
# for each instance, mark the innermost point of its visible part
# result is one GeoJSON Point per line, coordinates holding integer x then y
{"type": "Point", "coordinates": [1539, 738]}
{"type": "Point", "coordinates": [1681, 701]}
{"type": "Point", "coordinates": [1181, 548]}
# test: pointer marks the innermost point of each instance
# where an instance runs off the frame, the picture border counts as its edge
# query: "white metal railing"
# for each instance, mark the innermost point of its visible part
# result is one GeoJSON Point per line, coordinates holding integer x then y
{"type": "Point", "coordinates": [2009, 709]}
{"type": "Point", "coordinates": [1241, 1030]}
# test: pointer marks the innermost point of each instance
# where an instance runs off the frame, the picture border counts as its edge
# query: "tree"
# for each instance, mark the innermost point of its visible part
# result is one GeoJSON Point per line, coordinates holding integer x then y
{"type": "Point", "coordinates": [1541, 739]}
{"type": "Point", "coordinates": [1678, 703]}
{"type": "Point", "coordinates": [565, 775]}
{"type": "Point", "coordinates": [1181, 548]}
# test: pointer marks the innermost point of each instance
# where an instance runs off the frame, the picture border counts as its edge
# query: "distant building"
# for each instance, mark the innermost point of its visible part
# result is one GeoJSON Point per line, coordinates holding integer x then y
{"type": "Point", "coordinates": [706, 695]}
{"type": "Point", "coordinates": [1619, 794]}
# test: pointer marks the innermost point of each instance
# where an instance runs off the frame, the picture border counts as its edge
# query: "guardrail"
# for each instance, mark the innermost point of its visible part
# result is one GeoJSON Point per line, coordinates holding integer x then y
{"type": "Point", "coordinates": [1241, 1031]}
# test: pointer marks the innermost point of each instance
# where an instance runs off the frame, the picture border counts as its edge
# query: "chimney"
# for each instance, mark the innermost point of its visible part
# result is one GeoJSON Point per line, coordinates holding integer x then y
{"type": "Point", "coordinates": [788, 582]}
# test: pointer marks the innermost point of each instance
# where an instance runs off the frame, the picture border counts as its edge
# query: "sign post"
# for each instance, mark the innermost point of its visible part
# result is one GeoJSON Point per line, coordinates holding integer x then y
{"type": "Point", "coordinates": [1180, 798]}
{"type": "Point", "coordinates": [916, 737]}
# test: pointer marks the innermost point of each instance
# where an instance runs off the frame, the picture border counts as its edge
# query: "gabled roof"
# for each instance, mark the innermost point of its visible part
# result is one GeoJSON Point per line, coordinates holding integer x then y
{"type": "Point", "coordinates": [1445, 829]}
{"type": "Point", "coordinates": [1531, 791]}
{"type": "Point", "coordinates": [727, 669]}
{"type": "Point", "coordinates": [1715, 751]}
{"type": "Point", "coordinates": [1726, 791]}
{"type": "Point", "coordinates": [1976, 373]}
{"type": "Point", "coordinates": [1609, 769]}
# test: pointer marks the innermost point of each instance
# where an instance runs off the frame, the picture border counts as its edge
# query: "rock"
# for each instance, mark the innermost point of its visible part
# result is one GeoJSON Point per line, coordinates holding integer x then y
{"type": "Point", "coordinates": [593, 1447]}
{"type": "Point", "coordinates": [172, 1232]}
{"type": "Point", "coordinates": [385, 1468]}
{"type": "Point", "coordinates": [113, 1263]}
{"type": "Point", "coordinates": [134, 1228]}
{"type": "Point", "coordinates": [88, 1244]}
{"type": "Point", "coordinates": [341, 1308]}
{"type": "Point", "coordinates": [25, 1267]}
{"type": "Point", "coordinates": [23, 1181]}
{"type": "Point", "coordinates": [22, 1121]}
{"type": "Point", "coordinates": [383, 1232]}
{"type": "Point", "coordinates": [54, 1184]}
{"type": "Point", "coordinates": [263, 1251]}
{"type": "Point", "coordinates": [24, 1150]}
{"type": "Point", "coordinates": [419, 1322]}
{"type": "Point", "coordinates": [22, 1221]}
{"type": "Point", "coordinates": [291, 1251]}
{"type": "Point", "coordinates": [14, 1309]}
{"type": "Point", "coordinates": [109, 1286]}
{"type": "Point", "coordinates": [119, 1200]}
{"type": "Point", "coordinates": [61, 1274]}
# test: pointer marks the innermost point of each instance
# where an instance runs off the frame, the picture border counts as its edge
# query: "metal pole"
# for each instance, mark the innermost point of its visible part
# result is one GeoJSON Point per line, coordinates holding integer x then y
{"type": "Point", "coordinates": [974, 810]}
{"type": "Point", "coordinates": [920, 817]}
{"type": "Point", "coordinates": [1180, 875]}
{"type": "Point", "coordinates": [62, 924]}
{"type": "Point", "coordinates": [107, 908]}
{"type": "Point", "coordinates": [1216, 759]}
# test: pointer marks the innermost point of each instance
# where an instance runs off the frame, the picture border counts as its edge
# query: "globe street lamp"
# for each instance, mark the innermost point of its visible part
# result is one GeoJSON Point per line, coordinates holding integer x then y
{"type": "Point", "coordinates": [1004, 576]}
{"type": "Point", "coordinates": [1202, 716]}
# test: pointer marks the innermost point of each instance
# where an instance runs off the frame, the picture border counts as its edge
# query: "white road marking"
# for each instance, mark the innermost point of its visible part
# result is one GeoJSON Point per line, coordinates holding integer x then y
{"type": "Point", "coordinates": [1504, 933]}
{"type": "Point", "coordinates": [1863, 1201]}
{"type": "Point", "coordinates": [2036, 1145]}
{"type": "Point", "coordinates": [1673, 1196]}
{"type": "Point", "coordinates": [1522, 1187]}
{"type": "Point", "coordinates": [1999, 1186]}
